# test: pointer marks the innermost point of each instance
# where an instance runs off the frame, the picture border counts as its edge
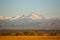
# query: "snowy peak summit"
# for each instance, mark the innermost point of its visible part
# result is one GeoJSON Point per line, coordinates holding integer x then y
{"type": "Point", "coordinates": [5, 17]}
{"type": "Point", "coordinates": [35, 16]}
{"type": "Point", "coordinates": [16, 17]}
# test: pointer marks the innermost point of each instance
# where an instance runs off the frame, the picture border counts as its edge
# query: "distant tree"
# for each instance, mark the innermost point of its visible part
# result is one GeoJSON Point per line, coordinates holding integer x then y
{"type": "Point", "coordinates": [33, 34]}
{"type": "Point", "coordinates": [3, 34]}
{"type": "Point", "coordinates": [19, 34]}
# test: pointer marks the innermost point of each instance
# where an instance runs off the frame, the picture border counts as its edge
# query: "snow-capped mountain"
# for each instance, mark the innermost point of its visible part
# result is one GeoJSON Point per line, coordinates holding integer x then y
{"type": "Point", "coordinates": [35, 16]}
{"type": "Point", "coordinates": [32, 16]}
{"type": "Point", "coordinates": [31, 21]}
{"type": "Point", "coordinates": [4, 17]}
{"type": "Point", "coordinates": [9, 18]}
{"type": "Point", "coordinates": [16, 17]}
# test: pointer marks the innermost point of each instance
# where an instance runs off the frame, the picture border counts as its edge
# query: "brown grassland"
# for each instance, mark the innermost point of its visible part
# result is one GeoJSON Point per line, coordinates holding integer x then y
{"type": "Point", "coordinates": [29, 37]}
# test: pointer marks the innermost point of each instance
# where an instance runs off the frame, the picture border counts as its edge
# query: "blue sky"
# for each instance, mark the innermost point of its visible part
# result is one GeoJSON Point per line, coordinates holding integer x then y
{"type": "Point", "coordinates": [20, 7]}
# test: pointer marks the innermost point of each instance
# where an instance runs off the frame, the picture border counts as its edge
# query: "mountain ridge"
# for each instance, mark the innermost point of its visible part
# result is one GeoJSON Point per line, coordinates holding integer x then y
{"type": "Point", "coordinates": [33, 16]}
{"type": "Point", "coordinates": [31, 21]}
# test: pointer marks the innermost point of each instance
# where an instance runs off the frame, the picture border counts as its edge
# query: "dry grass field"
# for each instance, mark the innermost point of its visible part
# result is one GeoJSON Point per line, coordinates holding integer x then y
{"type": "Point", "coordinates": [29, 37]}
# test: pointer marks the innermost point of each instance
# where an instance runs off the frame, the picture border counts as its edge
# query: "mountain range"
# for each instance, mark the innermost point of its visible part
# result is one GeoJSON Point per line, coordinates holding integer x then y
{"type": "Point", "coordinates": [31, 21]}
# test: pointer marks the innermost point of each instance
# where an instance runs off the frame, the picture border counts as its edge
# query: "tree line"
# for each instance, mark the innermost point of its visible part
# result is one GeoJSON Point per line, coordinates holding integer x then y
{"type": "Point", "coordinates": [33, 33]}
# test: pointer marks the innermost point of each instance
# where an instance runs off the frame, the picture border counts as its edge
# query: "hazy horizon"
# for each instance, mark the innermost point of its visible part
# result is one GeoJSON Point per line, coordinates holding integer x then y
{"type": "Point", "coordinates": [49, 18]}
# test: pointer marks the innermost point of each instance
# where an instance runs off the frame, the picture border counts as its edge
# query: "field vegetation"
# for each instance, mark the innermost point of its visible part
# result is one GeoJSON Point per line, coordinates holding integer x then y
{"type": "Point", "coordinates": [30, 35]}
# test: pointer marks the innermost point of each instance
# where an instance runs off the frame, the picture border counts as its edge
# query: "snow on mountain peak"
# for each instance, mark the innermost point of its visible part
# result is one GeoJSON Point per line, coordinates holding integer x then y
{"type": "Point", "coordinates": [9, 18]}
{"type": "Point", "coordinates": [16, 17]}
{"type": "Point", "coordinates": [35, 16]}
{"type": "Point", "coordinates": [4, 17]}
